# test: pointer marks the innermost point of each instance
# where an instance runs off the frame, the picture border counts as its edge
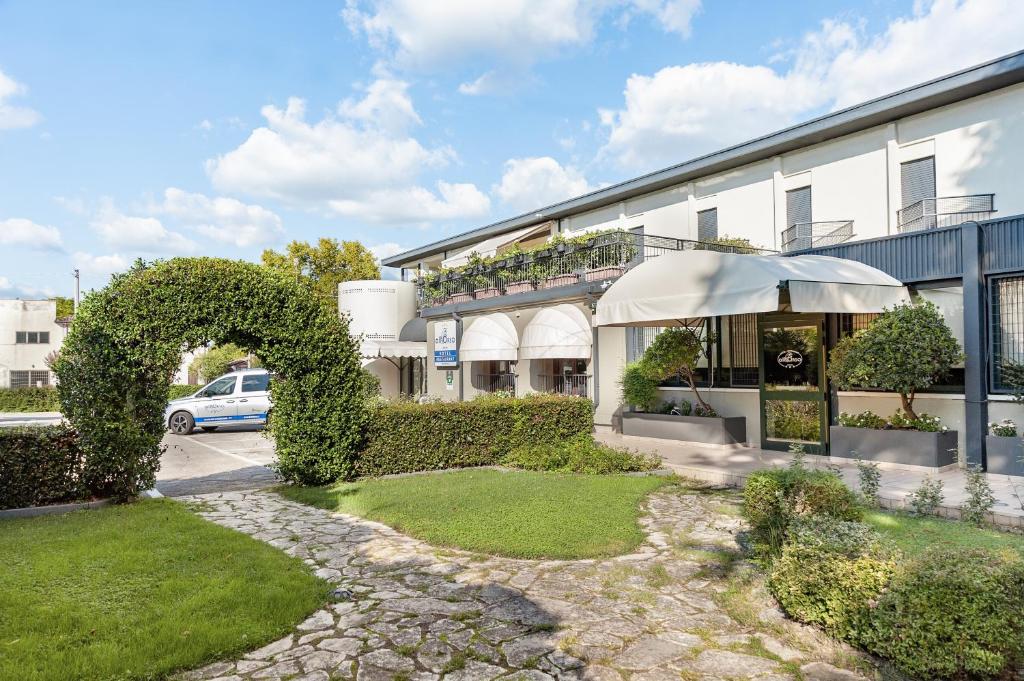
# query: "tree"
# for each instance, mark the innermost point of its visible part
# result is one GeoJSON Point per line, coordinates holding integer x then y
{"type": "Point", "coordinates": [323, 266]}
{"type": "Point", "coordinates": [639, 385]}
{"type": "Point", "coordinates": [903, 350]}
{"type": "Point", "coordinates": [65, 306]}
{"type": "Point", "coordinates": [677, 351]}
{"type": "Point", "coordinates": [217, 361]}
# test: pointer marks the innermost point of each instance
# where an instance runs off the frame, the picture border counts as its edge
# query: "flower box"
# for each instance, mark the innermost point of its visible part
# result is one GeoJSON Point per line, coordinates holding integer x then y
{"type": "Point", "coordinates": [460, 298]}
{"type": "Point", "coordinates": [519, 287]}
{"type": "Point", "coordinates": [559, 280]}
{"type": "Point", "coordinates": [602, 273]}
{"type": "Point", "coordinates": [1004, 455]}
{"type": "Point", "coordinates": [711, 430]}
{"type": "Point", "coordinates": [483, 293]}
{"type": "Point", "coordinates": [907, 447]}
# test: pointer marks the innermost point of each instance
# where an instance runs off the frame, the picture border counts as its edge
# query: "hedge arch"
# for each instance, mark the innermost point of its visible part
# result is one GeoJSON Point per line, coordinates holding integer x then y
{"type": "Point", "coordinates": [127, 340]}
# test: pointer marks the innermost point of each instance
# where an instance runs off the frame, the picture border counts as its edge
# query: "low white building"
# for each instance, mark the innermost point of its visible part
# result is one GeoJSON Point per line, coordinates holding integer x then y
{"type": "Point", "coordinates": [29, 333]}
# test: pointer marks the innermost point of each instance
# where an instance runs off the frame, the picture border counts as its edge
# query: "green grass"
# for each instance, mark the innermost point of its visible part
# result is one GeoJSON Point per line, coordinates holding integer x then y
{"type": "Point", "coordinates": [138, 591]}
{"type": "Point", "coordinates": [519, 514]}
{"type": "Point", "coordinates": [914, 534]}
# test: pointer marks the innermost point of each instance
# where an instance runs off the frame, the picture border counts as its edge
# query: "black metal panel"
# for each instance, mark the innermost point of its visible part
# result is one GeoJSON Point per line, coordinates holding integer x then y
{"type": "Point", "coordinates": [1004, 245]}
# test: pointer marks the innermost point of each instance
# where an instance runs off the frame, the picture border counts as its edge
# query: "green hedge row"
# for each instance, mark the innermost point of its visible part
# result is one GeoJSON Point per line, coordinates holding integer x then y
{"type": "Point", "coordinates": [403, 437]}
{"type": "Point", "coordinates": [29, 399]}
{"type": "Point", "coordinates": [40, 465]}
{"type": "Point", "coordinates": [178, 390]}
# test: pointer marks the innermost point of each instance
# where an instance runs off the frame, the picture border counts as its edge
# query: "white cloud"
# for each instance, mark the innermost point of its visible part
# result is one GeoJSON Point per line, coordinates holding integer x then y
{"type": "Point", "coordinates": [222, 219]}
{"type": "Point", "coordinates": [674, 16]}
{"type": "Point", "coordinates": [100, 266]}
{"type": "Point", "coordinates": [21, 232]}
{"type": "Point", "coordinates": [386, 250]}
{"type": "Point", "coordinates": [531, 182]}
{"type": "Point", "coordinates": [10, 289]}
{"type": "Point", "coordinates": [361, 162]}
{"type": "Point", "coordinates": [12, 116]}
{"type": "Point", "coordinates": [138, 234]}
{"type": "Point", "coordinates": [683, 111]}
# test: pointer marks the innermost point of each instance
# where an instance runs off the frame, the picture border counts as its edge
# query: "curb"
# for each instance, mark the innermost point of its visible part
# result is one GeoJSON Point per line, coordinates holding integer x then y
{"type": "Point", "coordinates": [55, 509]}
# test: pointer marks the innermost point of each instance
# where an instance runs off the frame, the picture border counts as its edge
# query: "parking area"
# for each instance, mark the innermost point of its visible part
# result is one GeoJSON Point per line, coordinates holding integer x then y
{"type": "Point", "coordinates": [230, 458]}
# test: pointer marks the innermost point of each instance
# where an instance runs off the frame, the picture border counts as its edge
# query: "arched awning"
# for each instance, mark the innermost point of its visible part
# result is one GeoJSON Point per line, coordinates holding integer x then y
{"type": "Point", "coordinates": [414, 330]}
{"type": "Point", "coordinates": [559, 332]}
{"type": "Point", "coordinates": [684, 286]}
{"type": "Point", "coordinates": [491, 337]}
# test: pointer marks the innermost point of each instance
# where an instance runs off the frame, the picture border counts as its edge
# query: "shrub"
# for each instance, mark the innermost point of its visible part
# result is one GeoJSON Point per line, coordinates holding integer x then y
{"type": "Point", "coordinates": [178, 390]}
{"type": "Point", "coordinates": [1005, 428]}
{"type": "Point", "coordinates": [29, 399]}
{"type": "Point", "coordinates": [773, 497]}
{"type": "Point", "coordinates": [980, 499]}
{"type": "Point", "coordinates": [581, 454]}
{"type": "Point", "coordinates": [829, 573]}
{"type": "Point", "coordinates": [40, 465]}
{"type": "Point", "coordinates": [952, 613]}
{"type": "Point", "coordinates": [639, 386]}
{"type": "Point", "coordinates": [869, 479]}
{"type": "Point", "coordinates": [925, 423]}
{"type": "Point", "coordinates": [927, 497]}
{"type": "Point", "coordinates": [865, 419]}
{"type": "Point", "coordinates": [405, 436]}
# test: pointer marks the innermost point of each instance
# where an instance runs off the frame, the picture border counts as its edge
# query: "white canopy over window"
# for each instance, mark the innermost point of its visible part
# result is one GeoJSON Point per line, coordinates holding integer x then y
{"type": "Point", "coordinates": [684, 286]}
{"type": "Point", "coordinates": [489, 247]}
{"type": "Point", "coordinates": [559, 332]}
{"type": "Point", "coordinates": [392, 348]}
{"type": "Point", "coordinates": [492, 337]}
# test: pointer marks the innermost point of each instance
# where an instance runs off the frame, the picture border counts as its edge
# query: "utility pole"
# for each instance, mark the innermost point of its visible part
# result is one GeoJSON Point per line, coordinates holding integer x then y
{"type": "Point", "coordinates": [78, 289]}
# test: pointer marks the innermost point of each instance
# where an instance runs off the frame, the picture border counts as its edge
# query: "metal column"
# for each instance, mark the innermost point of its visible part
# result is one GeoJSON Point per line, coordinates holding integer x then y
{"type": "Point", "coordinates": [975, 345]}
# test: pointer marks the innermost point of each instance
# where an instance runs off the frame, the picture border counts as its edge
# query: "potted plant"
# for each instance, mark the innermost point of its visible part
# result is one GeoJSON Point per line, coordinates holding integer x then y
{"type": "Point", "coordinates": [904, 350]}
{"type": "Point", "coordinates": [484, 286]}
{"type": "Point", "coordinates": [1004, 449]}
{"type": "Point", "coordinates": [677, 351]}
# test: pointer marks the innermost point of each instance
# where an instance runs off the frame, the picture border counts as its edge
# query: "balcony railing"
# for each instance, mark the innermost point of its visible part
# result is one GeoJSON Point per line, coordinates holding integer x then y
{"type": "Point", "coordinates": [493, 383]}
{"type": "Point", "coordinates": [801, 235]}
{"type": "Point", "coordinates": [564, 384]}
{"type": "Point", "coordinates": [606, 256]}
{"type": "Point", "coordinates": [945, 211]}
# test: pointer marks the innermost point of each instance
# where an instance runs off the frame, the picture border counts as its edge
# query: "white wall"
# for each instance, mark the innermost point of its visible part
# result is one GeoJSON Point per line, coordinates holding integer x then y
{"type": "Point", "coordinates": [27, 315]}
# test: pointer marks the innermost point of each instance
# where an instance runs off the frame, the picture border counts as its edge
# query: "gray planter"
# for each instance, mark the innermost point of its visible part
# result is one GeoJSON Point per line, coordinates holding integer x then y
{"type": "Point", "coordinates": [712, 430]}
{"type": "Point", "coordinates": [909, 447]}
{"type": "Point", "coordinates": [1003, 455]}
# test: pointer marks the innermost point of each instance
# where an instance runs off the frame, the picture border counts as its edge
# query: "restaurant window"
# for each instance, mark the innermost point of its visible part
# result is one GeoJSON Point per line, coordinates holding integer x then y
{"type": "Point", "coordinates": [1006, 316]}
{"type": "Point", "coordinates": [641, 339]}
{"type": "Point", "coordinates": [850, 324]}
{"type": "Point", "coordinates": [494, 376]}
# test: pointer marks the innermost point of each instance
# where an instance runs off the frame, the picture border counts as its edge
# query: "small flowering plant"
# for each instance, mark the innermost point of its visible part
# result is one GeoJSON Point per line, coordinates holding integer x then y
{"type": "Point", "coordinates": [1005, 428]}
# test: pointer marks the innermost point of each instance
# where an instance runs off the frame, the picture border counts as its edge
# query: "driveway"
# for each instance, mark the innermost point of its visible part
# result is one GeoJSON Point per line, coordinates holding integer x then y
{"type": "Point", "coordinates": [231, 458]}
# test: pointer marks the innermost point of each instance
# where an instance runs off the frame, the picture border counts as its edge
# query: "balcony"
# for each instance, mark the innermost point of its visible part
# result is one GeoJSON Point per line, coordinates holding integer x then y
{"type": "Point", "coordinates": [803, 235]}
{"type": "Point", "coordinates": [945, 211]}
{"type": "Point", "coordinates": [594, 258]}
{"type": "Point", "coordinates": [564, 384]}
{"type": "Point", "coordinates": [494, 383]}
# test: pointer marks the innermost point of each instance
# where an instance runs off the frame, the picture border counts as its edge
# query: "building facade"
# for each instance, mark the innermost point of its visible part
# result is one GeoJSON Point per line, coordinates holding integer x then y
{"type": "Point", "coordinates": [29, 334]}
{"type": "Point", "coordinates": [900, 183]}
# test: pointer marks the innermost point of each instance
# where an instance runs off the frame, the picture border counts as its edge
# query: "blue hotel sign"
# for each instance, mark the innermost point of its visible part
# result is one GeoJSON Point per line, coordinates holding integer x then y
{"type": "Point", "coordinates": [446, 353]}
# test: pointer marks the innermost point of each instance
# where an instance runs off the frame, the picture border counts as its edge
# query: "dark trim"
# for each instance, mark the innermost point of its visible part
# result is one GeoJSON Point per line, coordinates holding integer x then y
{"type": "Point", "coordinates": [975, 346]}
{"type": "Point", "coordinates": [949, 89]}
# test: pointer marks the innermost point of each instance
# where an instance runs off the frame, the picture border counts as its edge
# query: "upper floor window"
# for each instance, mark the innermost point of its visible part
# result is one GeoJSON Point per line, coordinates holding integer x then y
{"type": "Point", "coordinates": [798, 206]}
{"type": "Point", "coordinates": [917, 180]}
{"type": "Point", "coordinates": [32, 337]}
{"type": "Point", "coordinates": [707, 224]}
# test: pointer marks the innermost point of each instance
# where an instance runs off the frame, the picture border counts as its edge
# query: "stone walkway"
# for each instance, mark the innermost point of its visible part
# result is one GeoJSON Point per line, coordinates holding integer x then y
{"type": "Point", "coordinates": [686, 606]}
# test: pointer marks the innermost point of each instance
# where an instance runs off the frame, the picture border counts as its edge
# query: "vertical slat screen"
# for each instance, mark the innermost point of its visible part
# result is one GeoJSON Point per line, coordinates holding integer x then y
{"type": "Point", "coordinates": [707, 224]}
{"type": "Point", "coordinates": [743, 350]}
{"type": "Point", "coordinates": [917, 180]}
{"type": "Point", "coordinates": [798, 206]}
{"type": "Point", "coordinates": [1007, 318]}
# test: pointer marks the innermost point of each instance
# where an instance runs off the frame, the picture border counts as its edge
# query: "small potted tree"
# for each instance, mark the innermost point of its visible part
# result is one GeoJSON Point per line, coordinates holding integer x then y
{"type": "Point", "coordinates": [903, 351]}
{"type": "Point", "coordinates": [677, 351]}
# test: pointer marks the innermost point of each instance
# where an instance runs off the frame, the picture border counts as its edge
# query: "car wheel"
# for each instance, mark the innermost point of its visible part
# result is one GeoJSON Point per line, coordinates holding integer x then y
{"type": "Point", "coordinates": [208, 429]}
{"type": "Point", "coordinates": [181, 423]}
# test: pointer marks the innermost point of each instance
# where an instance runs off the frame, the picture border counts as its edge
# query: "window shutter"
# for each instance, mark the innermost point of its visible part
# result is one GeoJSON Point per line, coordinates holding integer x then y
{"type": "Point", "coordinates": [917, 180]}
{"type": "Point", "coordinates": [707, 225]}
{"type": "Point", "coordinates": [798, 206]}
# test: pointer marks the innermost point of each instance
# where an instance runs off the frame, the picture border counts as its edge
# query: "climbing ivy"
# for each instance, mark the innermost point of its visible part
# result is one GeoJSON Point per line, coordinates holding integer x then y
{"type": "Point", "coordinates": [127, 340]}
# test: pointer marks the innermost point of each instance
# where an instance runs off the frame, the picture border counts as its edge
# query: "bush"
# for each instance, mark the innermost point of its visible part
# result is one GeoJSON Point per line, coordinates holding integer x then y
{"type": "Point", "coordinates": [40, 465]}
{"type": "Point", "coordinates": [924, 423]}
{"type": "Point", "coordinates": [829, 574]}
{"type": "Point", "coordinates": [581, 454]}
{"type": "Point", "coordinates": [178, 390]}
{"type": "Point", "coordinates": [639, 386]}
{"type": "Point", "coordinates": [773, 497]}
{"type": "Point", "coordinates": [952, 613]}
{"type": "Point", "coordinates": [865, 419]}
{"type": "Point", "coordinates": [402, 437]}
{"type": "Point", "coordinates": [29, 399]}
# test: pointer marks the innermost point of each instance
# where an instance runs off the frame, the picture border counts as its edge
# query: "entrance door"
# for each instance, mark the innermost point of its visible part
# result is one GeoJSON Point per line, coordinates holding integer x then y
{"type": "Point", "coordinates": [794, 404]}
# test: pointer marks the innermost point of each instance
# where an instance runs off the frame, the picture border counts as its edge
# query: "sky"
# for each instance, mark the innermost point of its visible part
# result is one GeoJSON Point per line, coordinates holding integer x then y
{"type": "Point", "coordinates": [154, 129]}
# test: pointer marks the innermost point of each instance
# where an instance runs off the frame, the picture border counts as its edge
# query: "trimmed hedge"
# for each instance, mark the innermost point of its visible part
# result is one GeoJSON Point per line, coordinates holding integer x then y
{"type": "Point", "coordinates": [581, 454]}
{"type": "Point", "coordinates": [179, 390]}
{"type": "Point", "coordinates": [40, 465]}
{"type": "Point", "coordinates": [403, 437]}
{"type": "Point", "coordinates": [29, 399]}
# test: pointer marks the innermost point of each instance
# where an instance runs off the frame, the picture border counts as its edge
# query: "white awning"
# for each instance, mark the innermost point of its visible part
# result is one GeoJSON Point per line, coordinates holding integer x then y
{"type": "Point", "coordinates": [684, 286]}
{"type": "Point", "coordinates": [559, 332]}
{"type": "Point", "coordinates": [391, 348]}
{"type": "Point", "coordinates": [489, 247]}
{"type": "Point", "coordinates": [492, 337]}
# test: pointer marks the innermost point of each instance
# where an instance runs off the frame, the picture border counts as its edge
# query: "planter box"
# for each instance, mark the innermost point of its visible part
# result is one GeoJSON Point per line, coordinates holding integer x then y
{"type": "Point", "coordinates": [711, 430]}
{"type": "Point", "coordinates": [483, 293]}
{"type": "Point", "coordinates": [560, 280]}
{"type": "Point", "coordinates": [519, 287]}
{"type": "Point", "coordinates": [603, 273]}
{"type": "Point", "coordinates": [908, 447]}
{"type": "Point", "coordinates": [1004, 454]}
{"type": "Point", "coordinates": [460, 298]}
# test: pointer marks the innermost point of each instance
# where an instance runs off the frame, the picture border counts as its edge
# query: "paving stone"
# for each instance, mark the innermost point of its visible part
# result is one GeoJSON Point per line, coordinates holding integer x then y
{"type": "Point", "coordinates": [651, 652]}
{"type": "Point", "coordinates": [780, 649]}
{"type": "Point", "coordinates": [271, 649]}
{"type": "Point", "coordinates": [321, 619]}
{"type": "Point", "coordinates": [522, 650]}
{"type": "Point", "coordinates": [732, 664]}
{"type": "Point", "coordinates": [476, 671]}
{"type": "Point", "coordinates": [820, 671]}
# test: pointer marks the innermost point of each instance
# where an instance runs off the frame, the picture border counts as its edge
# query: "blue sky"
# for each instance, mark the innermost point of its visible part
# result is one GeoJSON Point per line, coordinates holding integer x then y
{"type": "Point", "coordinates": [159, 129]}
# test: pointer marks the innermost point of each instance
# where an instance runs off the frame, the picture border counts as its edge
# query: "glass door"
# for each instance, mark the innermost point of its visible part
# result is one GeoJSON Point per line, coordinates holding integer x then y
{"type": "Point", "coordinates": [794, 404]}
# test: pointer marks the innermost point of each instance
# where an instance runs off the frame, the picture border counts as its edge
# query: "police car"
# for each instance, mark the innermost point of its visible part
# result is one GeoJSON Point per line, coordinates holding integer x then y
{"type": "Point", "coordinates": [235, 398]}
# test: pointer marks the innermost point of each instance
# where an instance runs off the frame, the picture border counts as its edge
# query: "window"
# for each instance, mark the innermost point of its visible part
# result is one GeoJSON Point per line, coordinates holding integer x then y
{"type": "Point", "coordinates": [850, 324]}
{"type": "Point", "coordinates": [1006, 315]}
{"type": "Point", "coordinates": [44, 337]}
{"type": "Point", "coordinates": [30, 379]}
{"type": "Point", "coordinates": [255, 383]}
{"type": "Point", "coordinates": [743, 370]}
{"type": "Point", "coordinates": [707, 224]}
{"type": "Point", "coordinates": [798, 206]}
{"type": "Point", "coordinates": [917, 180]}
{"type": "Point", "coordinates": [32, 337]}
{"type": "Point", "coordinates": [639, 338]}
{"type": "Point", "coordinates": [221, 387]}
{"type": "Point", "coordinates": [494, 376]}
{"type": "Point", "coordinates": [21, 337]}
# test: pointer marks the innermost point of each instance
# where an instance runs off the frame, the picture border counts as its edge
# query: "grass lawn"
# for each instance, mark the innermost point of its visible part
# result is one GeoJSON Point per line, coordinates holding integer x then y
{"type": "Point", "coordinates": [137, 591]}
{"type": "Point", "coordinates": [520, 514]}
{"type": "Point", "coordinates": [913, 534]}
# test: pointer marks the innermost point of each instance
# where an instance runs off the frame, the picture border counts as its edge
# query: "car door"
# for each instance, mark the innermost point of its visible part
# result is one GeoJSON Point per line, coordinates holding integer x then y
{"type": "Point", "coordinates": [254, 397]}
{"type": "Point", "coordinates": [218, 403]}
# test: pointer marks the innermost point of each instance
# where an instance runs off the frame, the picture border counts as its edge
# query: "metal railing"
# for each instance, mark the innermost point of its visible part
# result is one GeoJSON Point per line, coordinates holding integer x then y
{"type": "Point", "coordinates": [493, 383]}
{"type": "Point", "coordinates": [801, 235]}
{"type": "Point", "coordinates": [605, 257]}
{"type": "Point", "coordinates": [945, 211]}
{"type": "Point", "coordinates": [564, 384]}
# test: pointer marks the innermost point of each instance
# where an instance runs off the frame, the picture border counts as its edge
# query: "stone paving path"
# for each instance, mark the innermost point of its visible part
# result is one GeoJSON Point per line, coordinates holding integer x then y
{"type": "Point", "coordinates": [685, 606]}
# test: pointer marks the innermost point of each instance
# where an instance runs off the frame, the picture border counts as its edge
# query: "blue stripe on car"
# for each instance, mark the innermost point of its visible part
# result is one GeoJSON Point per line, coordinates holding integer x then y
{"type": "Point", "coordinates": [239, 417]}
